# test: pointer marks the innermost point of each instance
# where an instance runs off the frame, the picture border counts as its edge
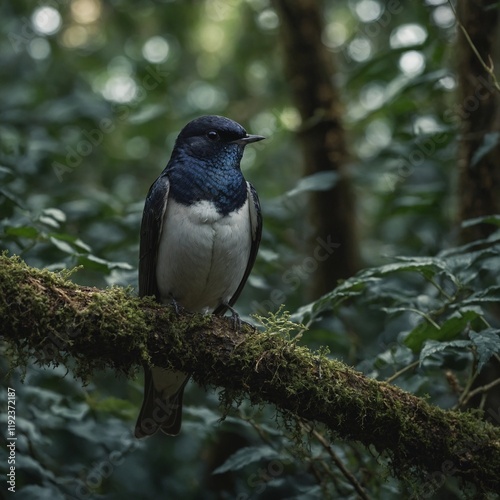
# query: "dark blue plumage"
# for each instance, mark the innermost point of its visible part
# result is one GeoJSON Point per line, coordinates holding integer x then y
{"type": "Point", "coordinates": [216, 176]}
{"type": "Point", "coordinates": [225, 186]}
{"type": "Point", "coordinates": [200, 233]}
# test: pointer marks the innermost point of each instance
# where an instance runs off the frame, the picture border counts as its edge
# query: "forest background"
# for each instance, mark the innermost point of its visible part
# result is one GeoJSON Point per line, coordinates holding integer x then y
{"type": "Point", "coordinates": [380, 191]}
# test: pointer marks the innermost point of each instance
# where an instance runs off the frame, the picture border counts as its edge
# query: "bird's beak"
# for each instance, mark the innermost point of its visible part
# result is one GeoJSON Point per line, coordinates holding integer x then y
{"type": "Point", "coordinates": [248, 139]}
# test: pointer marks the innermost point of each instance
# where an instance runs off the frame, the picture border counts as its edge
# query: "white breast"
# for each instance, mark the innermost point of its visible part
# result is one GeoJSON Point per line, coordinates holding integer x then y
{"type": "Point", "coordinates": [202, 255]}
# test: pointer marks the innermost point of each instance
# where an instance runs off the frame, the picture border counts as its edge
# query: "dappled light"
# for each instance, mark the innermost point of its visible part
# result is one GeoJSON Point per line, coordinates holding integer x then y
{"type": "Point", "coordinates": [407, 35]}
{"type": "Point", "coordinates": [156, 49]}
{"type": "Point", "coordinates": [412, 63]}
{"type": "Point", "coordinates": [46, 20]}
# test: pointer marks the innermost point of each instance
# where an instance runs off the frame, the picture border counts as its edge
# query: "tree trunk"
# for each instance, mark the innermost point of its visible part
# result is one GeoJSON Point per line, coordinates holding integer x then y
{"type": "Point", "coordinates": [55, 321]}
{"type": "Point", "coordinates": [479, 112]}
{"type": "Point", "coordinates": [310, 69]}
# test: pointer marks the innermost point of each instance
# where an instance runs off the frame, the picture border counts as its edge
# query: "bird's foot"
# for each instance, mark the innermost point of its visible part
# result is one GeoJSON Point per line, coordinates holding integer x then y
{"type": "Point", "coordinates": [235, 317]}
{"type": "Point", "coordinates": [176, 306]}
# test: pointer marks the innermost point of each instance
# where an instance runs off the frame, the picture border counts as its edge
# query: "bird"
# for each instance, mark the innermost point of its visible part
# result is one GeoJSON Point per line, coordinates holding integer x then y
{"type": "Point", "coordinates": [200, 233]}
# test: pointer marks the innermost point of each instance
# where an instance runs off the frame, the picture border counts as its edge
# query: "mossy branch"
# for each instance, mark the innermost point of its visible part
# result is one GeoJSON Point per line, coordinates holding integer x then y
{"type": "Point", "coordinates": [46, 316]}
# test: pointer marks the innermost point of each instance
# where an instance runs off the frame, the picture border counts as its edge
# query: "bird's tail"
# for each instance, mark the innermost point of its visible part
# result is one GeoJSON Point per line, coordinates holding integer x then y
{"type": "Point", "coordinates": [162, 405]}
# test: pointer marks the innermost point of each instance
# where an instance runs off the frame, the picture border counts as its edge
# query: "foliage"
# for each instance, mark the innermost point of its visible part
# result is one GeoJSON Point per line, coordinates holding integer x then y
{"type": "Point", "coordinates": [437, 312]}
{"type": "Point", "coordinates": [89, 112]}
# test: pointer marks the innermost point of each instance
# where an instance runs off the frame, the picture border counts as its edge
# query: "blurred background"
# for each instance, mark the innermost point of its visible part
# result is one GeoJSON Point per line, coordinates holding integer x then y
{"type": "Point", "coordinates": [383, 137]}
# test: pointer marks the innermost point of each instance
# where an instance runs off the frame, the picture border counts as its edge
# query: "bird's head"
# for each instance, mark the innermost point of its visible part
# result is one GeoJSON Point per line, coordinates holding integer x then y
{"type": "Point", "coordinates": [215, 140]}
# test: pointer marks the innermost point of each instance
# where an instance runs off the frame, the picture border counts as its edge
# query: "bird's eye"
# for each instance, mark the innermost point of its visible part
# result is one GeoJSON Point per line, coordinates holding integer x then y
{"type": "Point", "coordinates": [213, 135]}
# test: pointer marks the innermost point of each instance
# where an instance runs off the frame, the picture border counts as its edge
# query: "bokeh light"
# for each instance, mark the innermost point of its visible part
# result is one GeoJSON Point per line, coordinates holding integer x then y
{"type": "Point", "coordinates": [378, 135]}
{"type": "Point", "coordinates": [204, 96]}
{"type": "Point", "coordinates": [407, 35]}
{"type": "Point", "coordinates": [426, 124]}
{"type": "Point", "coordinates": [412, 63]}
{"type": "Point", "coordinates": [75, 36]}
{"type": "Point", "coordinates": [359, 49]}
{"type": "Point", "coordinates": [85, 11]}
{"type": "Point", "coordinates": [448, 82]}
{"type": "Point", "coordinates": [156, 49]}
{"type": "Point", "coordinates": [39, 48]}
{"type": "Point", "coordinates": [211, 37]}
{"type": "Point", "coordinates": [268, 19]}
{"type": "Point", "coordinates": [46, 20]}
{"type": "Point", "coordinates": [120, 88]}
{"type": "Point", "coordinates": [368, 10]}
{"type": "Point", "coordinates": [443, 16]}
{"type": "Point", "coordinates": [334, 35]}
{"type": "Point", "coordinates": [372, 96]}
{"type": "Point", "coordinates": [290, 118]}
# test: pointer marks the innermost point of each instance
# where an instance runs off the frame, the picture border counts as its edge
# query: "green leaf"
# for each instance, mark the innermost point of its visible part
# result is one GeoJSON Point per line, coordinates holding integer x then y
{"type": "Point", "coordinates": [245, 456]}
{"type": "Point", "coordinates": [55, 213]}
{"type": "Point", "coordinates": [62, 245]}
{"type": "Point", "coordinates": [34, 468]}
{"type": "Point", "coordinates": [490, 294]}
{"type": "Point", "coordinates": [13, 198]}
{"type": "Point", "coordinates": [490, 141]}
{"type": "Point", "coordinates": [452, 327]}
{"type": "Point", "coordinates": [93, 262]}
{"type": "Point", "coordinates": [77, 242]}
{"type": "Point", "coordinates": [22, 231]}
{"type": "Point", "coordinates": [6, 171]}
{"type": "Point", "coordinates": [46, 492]}
{"type": "Point", "coordinates": [147, 113]}
{"type": "Point", "coordinates": [487, 343]}
{"type": "Point", "coordinates": [206, 415]}
{"type": "Point", "coordinates": [397, 310]}
{"type": "Point", "coordinates": [320, 181]}
{"type": "Point", "coordinates": [426, 266]}
{"type": "Point", "coordinates": [268, 255]}
{"type": "Point", "coordinates": [349, 288]}
{"type": "Point", "coordinates": [115, 406]}
{"type": "Point", "coordinates": [74, 412]}
{"type": "Point", "coordinates": [433, 347]}
{"type": "Point", "coordinates": [48, 221]}
{"type": "Point", "coordinates": [487, 219]}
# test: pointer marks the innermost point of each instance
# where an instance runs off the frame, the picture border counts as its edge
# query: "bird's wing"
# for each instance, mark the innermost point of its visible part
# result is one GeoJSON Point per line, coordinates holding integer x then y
{"type": "Point", "coordinates": [256, 229]}
{"type": "Point", "coordinates": [163, 389]}
{"type": "Point", "coordinates": [151, 227]}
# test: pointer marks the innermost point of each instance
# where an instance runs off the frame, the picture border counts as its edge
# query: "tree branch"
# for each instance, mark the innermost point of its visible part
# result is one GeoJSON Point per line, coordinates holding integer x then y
{"type": "Point", "coordinates": [46, 316]}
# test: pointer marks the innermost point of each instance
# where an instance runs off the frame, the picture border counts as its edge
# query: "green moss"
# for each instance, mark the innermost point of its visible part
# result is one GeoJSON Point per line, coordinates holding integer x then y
{"type": "Point", "coordinates": [56, 321]}
{"type": "Point", "coordinates": [67, 319]}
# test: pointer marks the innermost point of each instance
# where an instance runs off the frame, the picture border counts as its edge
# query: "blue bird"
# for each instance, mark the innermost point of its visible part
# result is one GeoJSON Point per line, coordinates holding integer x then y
{"type": "Point", "coordinates": [200, 233]}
